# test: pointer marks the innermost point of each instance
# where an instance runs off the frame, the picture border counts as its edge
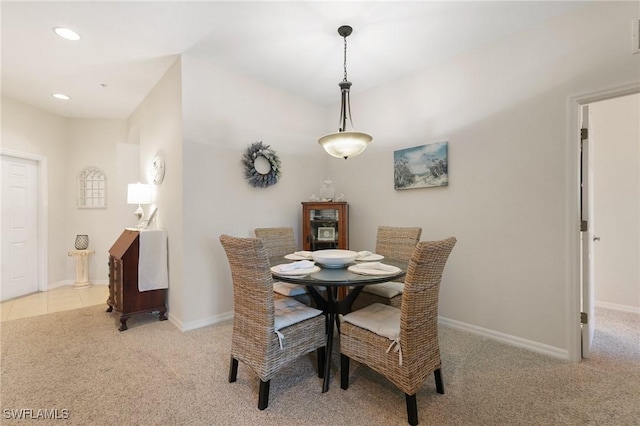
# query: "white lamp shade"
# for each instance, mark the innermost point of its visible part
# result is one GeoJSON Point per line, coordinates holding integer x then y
{"type": "Point", "coordinates": [345, 144]}
{"type": "Point", "coordinates": [138, 193]}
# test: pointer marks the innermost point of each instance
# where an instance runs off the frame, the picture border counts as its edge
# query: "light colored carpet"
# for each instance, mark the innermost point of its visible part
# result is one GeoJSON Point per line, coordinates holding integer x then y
{"type": "Point", "coordinates": [153, 374]}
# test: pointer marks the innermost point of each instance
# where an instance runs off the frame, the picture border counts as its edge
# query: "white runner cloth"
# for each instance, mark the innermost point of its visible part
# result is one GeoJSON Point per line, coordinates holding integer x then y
{"type": "Point", "coordinates": [153, 272]}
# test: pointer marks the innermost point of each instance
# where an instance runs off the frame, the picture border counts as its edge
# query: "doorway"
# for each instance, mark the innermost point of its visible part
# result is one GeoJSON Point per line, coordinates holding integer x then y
{"type": "Point", "coordinates": [615, 132]}
{"type": "Point", "coordinates": [610, 201]}
{"type": "Point", "coordinates": [23, 224]}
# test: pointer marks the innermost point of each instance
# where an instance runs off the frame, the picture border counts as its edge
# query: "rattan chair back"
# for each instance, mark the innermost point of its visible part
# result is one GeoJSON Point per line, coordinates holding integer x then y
{"type": "Point", "coordinates": [397, 242]}
{"type": "Point", "coordinates": [393, 242]}
{"type": "Point", "coordinates": [253, 311]}
{"type": "Point", "coordinates": [419, 314]}
{"type": "Point", "coordinates": [277, 241]}
{"type": "Point", "coordinates": [280, 241]}
{"type": "Point", "coordinates": [254, 340]}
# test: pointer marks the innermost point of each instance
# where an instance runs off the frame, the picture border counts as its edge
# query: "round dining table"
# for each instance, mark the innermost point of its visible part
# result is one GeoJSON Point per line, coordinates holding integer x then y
{"type": "Point", "coordinates": [330, 280]}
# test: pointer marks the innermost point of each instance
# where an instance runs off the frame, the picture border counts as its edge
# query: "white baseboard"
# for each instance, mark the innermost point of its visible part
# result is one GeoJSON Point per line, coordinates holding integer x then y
{"type": "Point", "coordinates": [59, 284]}
{"type": "Point", "coordinates": [192, 325]}
{"type": "Point", "coordinates": [506, 338]}
{"type": "Point", "coordinates": [616, 307]}
{"type": "Point", "coordinates": [491, 334]}
{"type": "Point", "coordinates": [64, 283]}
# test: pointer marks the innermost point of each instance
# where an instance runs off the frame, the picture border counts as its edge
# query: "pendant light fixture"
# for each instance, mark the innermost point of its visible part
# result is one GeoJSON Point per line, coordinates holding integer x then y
{"type": "Point", "coordinates": [345, 143]}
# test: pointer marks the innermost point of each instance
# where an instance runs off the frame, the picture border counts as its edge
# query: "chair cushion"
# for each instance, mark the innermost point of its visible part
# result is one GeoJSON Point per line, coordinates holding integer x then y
{"type": "Point", "coordinates": [288, 289]}
{"type": "Point", "coordinates": [384, 320]}
{"type": "Point", "coordinates": [387, 290]}
{"type": "Point", "coordinates": [290, 311]}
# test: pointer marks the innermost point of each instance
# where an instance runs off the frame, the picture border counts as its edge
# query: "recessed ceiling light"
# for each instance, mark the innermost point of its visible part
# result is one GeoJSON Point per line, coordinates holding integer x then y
{"type": "Point", "coordinates": [66, 33]}
{"type": "Point", "coordinates": [61, 96]}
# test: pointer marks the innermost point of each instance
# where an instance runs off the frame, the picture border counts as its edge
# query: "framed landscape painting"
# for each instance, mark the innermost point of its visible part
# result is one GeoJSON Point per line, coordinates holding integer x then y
{"type": "Point", "coordinates": [422, 166]}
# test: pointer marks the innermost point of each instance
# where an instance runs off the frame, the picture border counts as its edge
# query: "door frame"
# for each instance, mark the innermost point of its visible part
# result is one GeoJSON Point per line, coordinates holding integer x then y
{"type": "Point", "coordinates": [43, 229]}
{"type": "Point", "coordinates": [574, 110]}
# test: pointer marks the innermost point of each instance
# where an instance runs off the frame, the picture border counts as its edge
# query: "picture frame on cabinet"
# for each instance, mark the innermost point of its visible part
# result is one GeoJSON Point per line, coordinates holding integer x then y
{"type": "Point", "coordinates": [326, 234]}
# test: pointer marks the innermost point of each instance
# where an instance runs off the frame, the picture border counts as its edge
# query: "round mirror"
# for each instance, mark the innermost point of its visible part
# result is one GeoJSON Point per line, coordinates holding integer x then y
{"type": "Point", "coordinates": [262, 165]}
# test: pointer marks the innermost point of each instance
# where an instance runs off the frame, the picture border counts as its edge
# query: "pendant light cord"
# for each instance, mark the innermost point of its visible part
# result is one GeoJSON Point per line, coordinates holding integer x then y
{"type": "Point", "coordinates": [345, 59]}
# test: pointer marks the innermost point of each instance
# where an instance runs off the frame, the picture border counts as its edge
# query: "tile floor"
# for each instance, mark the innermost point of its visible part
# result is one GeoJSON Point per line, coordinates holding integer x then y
{"type": "Point", "coordinates": [58, 299]}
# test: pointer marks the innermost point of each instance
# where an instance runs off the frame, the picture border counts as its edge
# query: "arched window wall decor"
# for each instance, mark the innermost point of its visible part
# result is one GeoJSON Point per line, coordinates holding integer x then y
{"type": "Point", "coordinates": [92, 189]}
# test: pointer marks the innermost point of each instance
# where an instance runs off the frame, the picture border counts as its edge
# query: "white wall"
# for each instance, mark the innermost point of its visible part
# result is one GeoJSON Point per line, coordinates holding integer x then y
{"type": "Point", "coordinates": [47, 138]}
{"type": "Point", "coordinates": [98, 143]}
{"type": "Point", "coordinates": [71, 145]}
{"type": "Point", "coordinates": [223, 115]}
{"type": "Point", "coordinates": [615, 132]}
{"type": "Point", "coordinates": [503, 109]}
{"type": "Point", "coordinates": [157, 124]}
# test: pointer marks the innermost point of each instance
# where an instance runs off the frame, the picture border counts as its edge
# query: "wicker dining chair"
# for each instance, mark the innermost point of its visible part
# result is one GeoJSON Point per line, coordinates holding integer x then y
{"type": "Point", "coordinates": [280, 241]}
{"type": "Point", "coordinates": [404, 346]}
{"type": "Point", "coordinates": [392, 242]}
{"type": "Point", "coordinates": [267, 333]}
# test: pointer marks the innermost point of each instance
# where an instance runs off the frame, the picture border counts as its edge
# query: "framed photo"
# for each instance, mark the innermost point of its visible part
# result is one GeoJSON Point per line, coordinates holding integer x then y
{"type": "Point", "coordinates": [422, 166]}
{"type": "Point", "coordinates": [326, 234]}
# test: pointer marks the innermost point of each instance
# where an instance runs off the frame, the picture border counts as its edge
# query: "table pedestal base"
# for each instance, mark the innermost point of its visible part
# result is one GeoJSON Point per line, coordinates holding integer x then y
{"type": "Point", "coordinates": [332, 306]}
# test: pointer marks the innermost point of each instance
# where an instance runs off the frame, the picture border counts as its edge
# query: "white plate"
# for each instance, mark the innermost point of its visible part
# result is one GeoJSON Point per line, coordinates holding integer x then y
{"type": "Point", "coordinates": [301, 271]}
{"type": "Point", "coordinates": [357, 269]}
{"type": "Point", "coordinates": [370, 258]}
{"type": "Point", "coordinates": [294, 256]}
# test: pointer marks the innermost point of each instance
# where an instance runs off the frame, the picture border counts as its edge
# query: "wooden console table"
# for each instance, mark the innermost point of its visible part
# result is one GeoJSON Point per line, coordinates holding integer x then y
{"type": "Point", "coordinates": [125, 259]}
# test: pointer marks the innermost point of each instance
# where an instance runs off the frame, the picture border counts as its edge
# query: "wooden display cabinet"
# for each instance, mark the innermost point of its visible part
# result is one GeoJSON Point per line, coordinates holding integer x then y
{"type": "Point", "coordinates": [124, 296]}
{"type": "Point", "coordinates": [325, 225]}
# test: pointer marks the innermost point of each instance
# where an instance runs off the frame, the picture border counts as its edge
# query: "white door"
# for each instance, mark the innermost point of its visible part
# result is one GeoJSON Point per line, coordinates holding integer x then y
{"type": "Point", "coordinates": [19, 222]}
{"type": "Point", "coordinates": [587, 238]}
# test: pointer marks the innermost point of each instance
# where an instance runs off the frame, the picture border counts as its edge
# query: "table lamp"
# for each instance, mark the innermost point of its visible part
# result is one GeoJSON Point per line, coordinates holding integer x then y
{"type": "Point", "coordinates": [139, 193]}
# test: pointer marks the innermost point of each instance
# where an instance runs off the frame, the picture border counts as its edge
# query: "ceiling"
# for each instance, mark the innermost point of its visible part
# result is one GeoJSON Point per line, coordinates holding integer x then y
{"type": "Point", "coordinates": [126, 47]}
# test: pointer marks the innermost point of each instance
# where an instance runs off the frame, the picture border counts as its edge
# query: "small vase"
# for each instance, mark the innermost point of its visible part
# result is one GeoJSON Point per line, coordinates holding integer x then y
{"type": "Point", "coordinates": [327, 191]}
{"type": "Point", "coordinates": [82, 242]}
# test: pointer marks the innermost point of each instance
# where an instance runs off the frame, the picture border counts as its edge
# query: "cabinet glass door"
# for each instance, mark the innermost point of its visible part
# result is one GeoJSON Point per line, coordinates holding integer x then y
{"type": "Point", "coordinates": [324, 228]}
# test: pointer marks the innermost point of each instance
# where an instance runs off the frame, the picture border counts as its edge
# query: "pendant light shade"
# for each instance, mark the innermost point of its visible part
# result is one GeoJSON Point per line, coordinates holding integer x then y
{"type": "Point", "coordinates": [345, 143]}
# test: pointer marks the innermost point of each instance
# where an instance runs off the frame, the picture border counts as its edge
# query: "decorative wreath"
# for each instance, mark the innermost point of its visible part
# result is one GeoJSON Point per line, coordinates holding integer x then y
{"type": "Point", "coordinates": [254, 177]}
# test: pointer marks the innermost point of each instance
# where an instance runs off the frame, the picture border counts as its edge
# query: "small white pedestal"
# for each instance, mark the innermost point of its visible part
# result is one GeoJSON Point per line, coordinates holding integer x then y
{"type": "Point", "coordinates": [82, 267]}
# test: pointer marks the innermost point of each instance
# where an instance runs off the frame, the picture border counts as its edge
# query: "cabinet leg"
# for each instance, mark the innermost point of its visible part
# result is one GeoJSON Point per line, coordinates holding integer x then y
{"type": "Point", "coordinates": [123, 323]}
{"type": "Point", "coordinates": [109, 309]}
{"type": "Point", "coordinates": [162, 316]}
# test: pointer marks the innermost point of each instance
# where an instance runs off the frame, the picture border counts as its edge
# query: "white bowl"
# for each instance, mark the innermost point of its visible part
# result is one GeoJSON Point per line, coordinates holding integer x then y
{"type": "Point", "coordinates": [334, 258]}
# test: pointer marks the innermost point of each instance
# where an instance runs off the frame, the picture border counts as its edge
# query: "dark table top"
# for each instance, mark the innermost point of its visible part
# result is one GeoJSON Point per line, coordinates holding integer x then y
{"type": "Point", "coordinates": [338, 277]}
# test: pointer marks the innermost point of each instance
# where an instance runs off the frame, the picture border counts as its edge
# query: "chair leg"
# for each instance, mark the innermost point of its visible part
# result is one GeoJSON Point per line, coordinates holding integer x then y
{"type": "Point", "coordinates": [412, 409]}
{"type": "Point", "coordinates": [344, 371]}
{"type": "Point", "coordinates": [233, 370]}
{"type": "Point", "coordinates": [321, 358]}
{"type": "Point", "coordinates": [439, 383]}
{"type": "Point", "coordinates": [263, 396]}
